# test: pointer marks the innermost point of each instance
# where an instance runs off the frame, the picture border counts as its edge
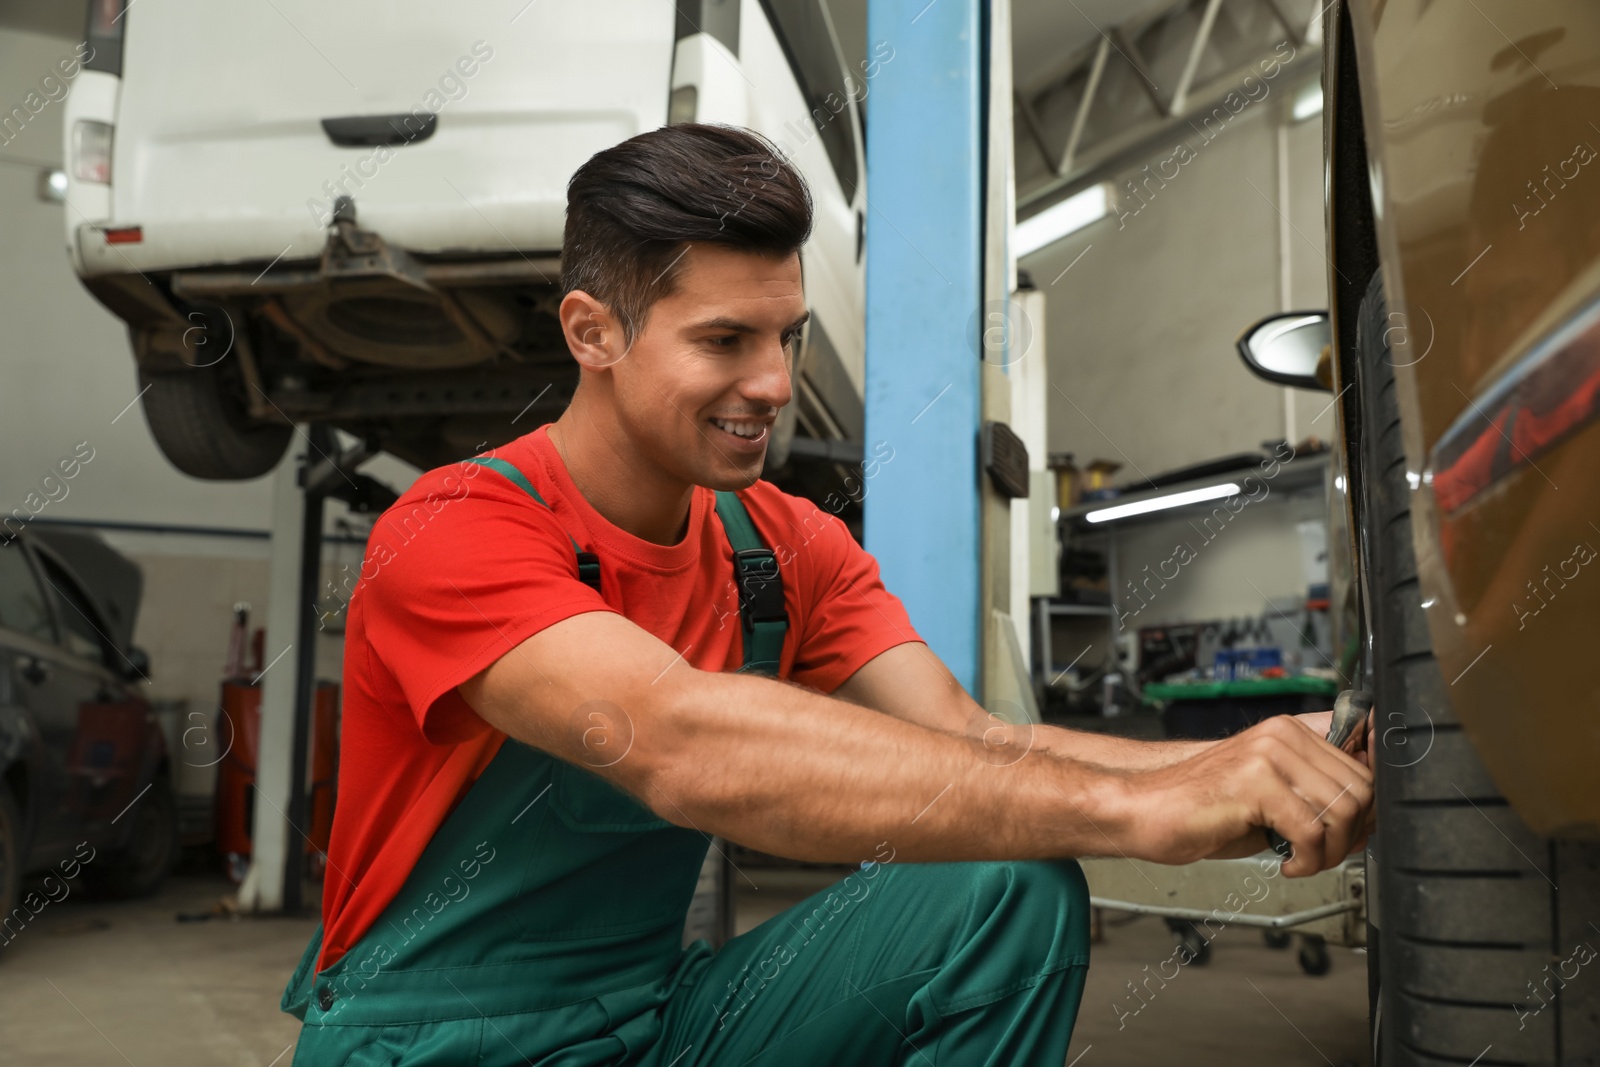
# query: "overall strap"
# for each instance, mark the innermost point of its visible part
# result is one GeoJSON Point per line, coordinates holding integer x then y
{"type": "Point", "coordinates": [755, 570]}
{"type": "Point", "coordinates": [588, 562]}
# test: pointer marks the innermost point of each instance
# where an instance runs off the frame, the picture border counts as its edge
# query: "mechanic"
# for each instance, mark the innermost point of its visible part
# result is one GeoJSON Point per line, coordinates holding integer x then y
{"type": "Point", "coordinates": [555, 695]}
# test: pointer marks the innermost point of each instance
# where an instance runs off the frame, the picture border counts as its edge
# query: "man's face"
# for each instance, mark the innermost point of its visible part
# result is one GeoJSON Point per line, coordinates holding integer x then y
{"type": "Point", "coordinates": [700, 388]}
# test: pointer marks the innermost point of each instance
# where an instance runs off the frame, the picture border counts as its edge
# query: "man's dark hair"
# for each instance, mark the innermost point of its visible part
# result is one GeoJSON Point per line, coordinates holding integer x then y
{"type": "Point", "coordinates": [634, 209]}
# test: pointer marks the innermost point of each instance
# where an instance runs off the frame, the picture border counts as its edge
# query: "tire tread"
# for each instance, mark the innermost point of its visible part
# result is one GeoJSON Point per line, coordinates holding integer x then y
{"type": "Point", "coordinates": [1469, 913]}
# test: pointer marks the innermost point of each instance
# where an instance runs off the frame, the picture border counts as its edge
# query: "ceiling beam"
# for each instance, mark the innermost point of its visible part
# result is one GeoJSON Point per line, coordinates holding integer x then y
{"type": "Point", "coordinates": [1078, 120]}
{"type": "Point", "coordinates": [1114, 153]}
{"type": "Point", "coordinates": [1197, 47]}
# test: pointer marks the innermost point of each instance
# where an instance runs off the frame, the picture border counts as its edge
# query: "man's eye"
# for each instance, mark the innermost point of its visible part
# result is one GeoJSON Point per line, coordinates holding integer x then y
{"type": "Point", "coordinates": [725, 342]}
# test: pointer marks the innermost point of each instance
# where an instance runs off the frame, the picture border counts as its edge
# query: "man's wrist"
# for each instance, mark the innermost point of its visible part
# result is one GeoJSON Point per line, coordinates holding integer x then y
{"type": "Point", "coordinates": [1166, 753]}
{"type": "Point", "coordinates": [1093, 806]}
{"type": "Point", "coordinates": [1111, 751]}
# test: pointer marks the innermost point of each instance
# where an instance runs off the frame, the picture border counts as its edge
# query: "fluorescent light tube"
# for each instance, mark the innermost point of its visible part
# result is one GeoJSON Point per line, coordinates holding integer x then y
{"type": "Point", "coordinates": [1058, 220]}
{"type": "Point", "coordinates": [1161, 503]}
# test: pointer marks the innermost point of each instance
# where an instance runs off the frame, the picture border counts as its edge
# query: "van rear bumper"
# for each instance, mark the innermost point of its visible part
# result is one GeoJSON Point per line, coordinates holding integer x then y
{"type": "Point", "coordinates": [461, 229]}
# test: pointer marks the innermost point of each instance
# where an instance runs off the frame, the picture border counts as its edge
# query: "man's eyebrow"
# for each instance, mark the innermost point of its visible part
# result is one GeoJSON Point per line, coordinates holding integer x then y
{"type": "Point", "coordinates": [735, 326]}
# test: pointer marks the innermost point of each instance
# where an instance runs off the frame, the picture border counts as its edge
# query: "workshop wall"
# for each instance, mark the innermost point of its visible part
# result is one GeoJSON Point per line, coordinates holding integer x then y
{"type": "Point", "coordinates": [1142, 327]}
{"type": "Point", "coordinates": [1236, 567]}
{"type": "Point", "coordinates": [1143, 366]}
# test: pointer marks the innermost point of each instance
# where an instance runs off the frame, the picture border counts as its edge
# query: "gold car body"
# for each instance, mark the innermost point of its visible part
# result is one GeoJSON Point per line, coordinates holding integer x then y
{"type": "Point", "coordinates": [1482, 121]}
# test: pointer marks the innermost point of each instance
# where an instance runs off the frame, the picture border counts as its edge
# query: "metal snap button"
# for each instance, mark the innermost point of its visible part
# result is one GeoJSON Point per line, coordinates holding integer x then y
{"type": "Point", "coordinates": [325, 997]}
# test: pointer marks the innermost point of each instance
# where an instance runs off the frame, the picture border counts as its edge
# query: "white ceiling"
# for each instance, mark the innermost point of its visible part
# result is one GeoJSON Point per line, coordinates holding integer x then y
{"type": "Point", "coordinates": [1044, 33]}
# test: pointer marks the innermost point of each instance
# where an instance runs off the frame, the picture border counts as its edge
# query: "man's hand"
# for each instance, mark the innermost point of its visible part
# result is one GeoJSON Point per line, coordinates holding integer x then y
{"type": "Point", "coordinates": [1279, 773]}
{"type": "Point", "coordinates": [1358, 744]}
{"type": "Point", "coordinates": [910, 683]}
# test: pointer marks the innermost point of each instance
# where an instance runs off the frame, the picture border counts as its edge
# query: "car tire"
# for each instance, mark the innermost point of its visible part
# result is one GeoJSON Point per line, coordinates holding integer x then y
{"type": "Point", "coordinates": [11, 858]}
{"type": "Point", "coordinates": [139, 867]}
{"type": "Point", "coordinates": [1474, 914]}
{"type": "Point", "coordinates": [203, 429]}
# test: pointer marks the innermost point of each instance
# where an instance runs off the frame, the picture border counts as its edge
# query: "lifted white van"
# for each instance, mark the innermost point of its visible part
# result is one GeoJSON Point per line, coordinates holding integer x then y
{"type": "Point", "coordinates": [351, 214]}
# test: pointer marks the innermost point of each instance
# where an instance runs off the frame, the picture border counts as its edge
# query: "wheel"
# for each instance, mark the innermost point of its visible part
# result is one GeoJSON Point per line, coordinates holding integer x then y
{"type": "Point", "coordinates": [1313, 956]}
{"type": "Point", "coordinates": [199, 421]}
{"type": "Point", "coordinates": [11, 859]}
{"type": "Point", "coordinates": [1195, 946]}
{"type": "Point", "coordinates": [1276, 939]}
{"type": "Point", "coordinates": [1472, 937]}
{"type": "Point", "coordinates": [139, 867]}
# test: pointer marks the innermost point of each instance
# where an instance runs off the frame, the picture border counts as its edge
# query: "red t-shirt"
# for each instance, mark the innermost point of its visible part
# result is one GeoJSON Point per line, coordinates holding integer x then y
{"type": "Point", "coordinates": [466, 565]}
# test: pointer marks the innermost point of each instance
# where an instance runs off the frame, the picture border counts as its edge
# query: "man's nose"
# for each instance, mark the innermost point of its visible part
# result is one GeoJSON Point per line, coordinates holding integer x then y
{"type": "Point", "coordinates": [771, 381]}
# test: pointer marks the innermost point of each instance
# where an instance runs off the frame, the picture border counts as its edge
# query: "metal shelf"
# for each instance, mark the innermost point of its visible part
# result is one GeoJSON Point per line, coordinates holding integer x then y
{"type": "Point", "coordinates": [1300, 473]}
{"type": "Point", "coordinates": [1296, 474]}
{"type": "Point", "coordinates": [1079, 609]}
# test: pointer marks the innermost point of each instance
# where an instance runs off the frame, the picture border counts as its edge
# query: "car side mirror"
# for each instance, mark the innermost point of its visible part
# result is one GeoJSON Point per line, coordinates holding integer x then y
{"type": "Point", "coordinates": [1289, 349]}
{"type": "Point", "coordinates": [136, 667]}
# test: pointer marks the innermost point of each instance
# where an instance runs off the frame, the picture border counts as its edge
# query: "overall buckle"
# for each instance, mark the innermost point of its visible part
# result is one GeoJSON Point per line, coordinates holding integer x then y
{"type": "Point", "coordinates": [760, 586]}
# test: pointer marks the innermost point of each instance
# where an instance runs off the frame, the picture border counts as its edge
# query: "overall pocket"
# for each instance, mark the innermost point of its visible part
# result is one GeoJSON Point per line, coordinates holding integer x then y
{"type": "Point", "coordinates": [604, 865]}
{"type": "Point", "coordinates": [588, 803]}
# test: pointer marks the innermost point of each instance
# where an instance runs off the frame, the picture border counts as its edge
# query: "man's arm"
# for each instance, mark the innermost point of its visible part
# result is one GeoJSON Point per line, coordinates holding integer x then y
{"type": "Point", "coordinates": [792, 772]}
{"type": "Point", "coordinates": [909, 682]}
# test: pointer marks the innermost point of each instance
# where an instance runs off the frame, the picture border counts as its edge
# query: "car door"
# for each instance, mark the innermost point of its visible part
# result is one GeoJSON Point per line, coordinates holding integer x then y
{"type": "Point", "coordinates": [91, 724]}
{"type": "Point", "coordinates": [30, 664]}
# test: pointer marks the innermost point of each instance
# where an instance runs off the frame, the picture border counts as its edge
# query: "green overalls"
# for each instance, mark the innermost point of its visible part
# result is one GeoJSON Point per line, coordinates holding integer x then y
{"type": "Point", "coordinates": [543, 925]}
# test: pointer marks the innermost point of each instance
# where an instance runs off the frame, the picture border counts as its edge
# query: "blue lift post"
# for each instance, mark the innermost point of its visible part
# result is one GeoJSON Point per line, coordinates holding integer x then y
{"type": "Point", "coordinates": [926, 158]}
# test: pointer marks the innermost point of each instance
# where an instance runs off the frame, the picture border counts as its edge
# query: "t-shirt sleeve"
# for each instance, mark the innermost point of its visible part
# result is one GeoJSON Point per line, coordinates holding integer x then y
{"type": "Point", "coordinates": [454, 582]}
{"type": "Point", "coordinates": [851, 617]}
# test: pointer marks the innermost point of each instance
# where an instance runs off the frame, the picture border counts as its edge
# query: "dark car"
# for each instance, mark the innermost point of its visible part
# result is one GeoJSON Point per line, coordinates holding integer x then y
{"type": "Point", "coordinates": [83, 762]}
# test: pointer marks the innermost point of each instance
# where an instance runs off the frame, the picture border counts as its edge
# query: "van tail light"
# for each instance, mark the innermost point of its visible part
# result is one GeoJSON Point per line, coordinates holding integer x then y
{"type": "Point", "coordinates": [124, 235]}
{"type": "Point", "coordinates": [91, 151]}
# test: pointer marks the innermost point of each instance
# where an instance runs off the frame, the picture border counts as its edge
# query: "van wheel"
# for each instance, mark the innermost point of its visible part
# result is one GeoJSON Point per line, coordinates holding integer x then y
{"type": "Point", "coordinates": [1471, 929]}
{"type": "Point", "coordinates": [140, 866]}
{"type": "Point", "coordinates": [200, 423]}
{"type": "Point", "coordinates": [10, 859]}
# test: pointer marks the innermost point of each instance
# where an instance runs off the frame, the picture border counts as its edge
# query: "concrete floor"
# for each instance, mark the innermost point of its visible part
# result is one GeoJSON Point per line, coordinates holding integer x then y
{"type": "Point", "coordinates": [88, 982]}
{"type": "Point", "coordinates": [1250, 1004]}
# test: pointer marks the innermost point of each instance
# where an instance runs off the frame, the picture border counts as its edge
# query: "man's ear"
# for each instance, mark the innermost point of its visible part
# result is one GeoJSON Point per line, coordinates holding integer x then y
{"type": "Point", "coordinates": [593, 333]}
